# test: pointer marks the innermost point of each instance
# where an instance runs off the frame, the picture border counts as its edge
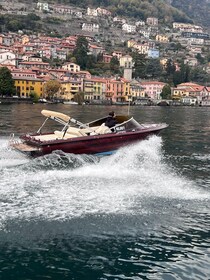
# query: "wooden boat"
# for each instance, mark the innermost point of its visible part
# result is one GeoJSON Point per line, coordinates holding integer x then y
{"type": "Point", "coordinates": [90, 138]}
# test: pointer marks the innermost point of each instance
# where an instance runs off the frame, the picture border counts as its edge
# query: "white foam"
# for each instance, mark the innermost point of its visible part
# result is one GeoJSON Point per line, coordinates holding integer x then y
{"type": "Point", "coordinates": [112, 185]}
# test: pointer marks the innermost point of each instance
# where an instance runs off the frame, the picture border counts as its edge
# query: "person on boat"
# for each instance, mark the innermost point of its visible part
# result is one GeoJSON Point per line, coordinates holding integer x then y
{"type": "Point", "coordinates": [111, 120]}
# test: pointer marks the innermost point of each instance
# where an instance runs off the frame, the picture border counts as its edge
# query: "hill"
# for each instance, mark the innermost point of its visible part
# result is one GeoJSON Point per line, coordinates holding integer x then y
{"type": "Point", "coordinates": [132, 8]}
{"type": "Point", "coordinates": [198, 10]}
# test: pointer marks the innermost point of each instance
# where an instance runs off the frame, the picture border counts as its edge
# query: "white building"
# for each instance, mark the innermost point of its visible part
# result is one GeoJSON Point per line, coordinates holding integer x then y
{"type": "Point", "coordinates": [187, 27]}
{"type": "Point", "coordinates": [145, 32]}
{"type": "Point", "coordinates": [7, 57]}
{"type": "Point", "coordinates": [43, 6]}
{"type": "Point", "coordinates": [90, 27]}
{"type": "Point", "coordinates": [140, 23]}
{"type": "Point", "coordinates": [72, 67]}
{"type": "Point", "coordinates": [129, 28]}
{"type": "Point", "coordinates": [152, 21]}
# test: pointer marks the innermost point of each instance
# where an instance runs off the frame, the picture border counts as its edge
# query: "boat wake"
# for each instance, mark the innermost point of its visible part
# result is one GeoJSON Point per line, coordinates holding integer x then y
{"type": "Point", "coordinates": [57, 187]}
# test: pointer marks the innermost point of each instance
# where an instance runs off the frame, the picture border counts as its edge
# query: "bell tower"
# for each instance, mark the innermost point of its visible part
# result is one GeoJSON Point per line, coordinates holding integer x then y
{"type": "Point", "coordinates": [126, 62]}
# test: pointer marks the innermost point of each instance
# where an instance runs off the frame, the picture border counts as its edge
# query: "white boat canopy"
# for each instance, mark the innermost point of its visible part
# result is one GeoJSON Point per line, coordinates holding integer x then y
{"type": "Point", "coordinates": [53, 114]}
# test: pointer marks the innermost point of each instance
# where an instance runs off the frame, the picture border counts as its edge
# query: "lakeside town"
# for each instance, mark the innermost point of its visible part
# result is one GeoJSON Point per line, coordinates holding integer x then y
{"type": "Point", "coordinates": [29, 56]}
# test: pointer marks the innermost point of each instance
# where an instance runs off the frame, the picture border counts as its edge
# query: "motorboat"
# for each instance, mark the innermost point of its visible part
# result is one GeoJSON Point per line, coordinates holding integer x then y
{"type": "Point", "coordinates": [70, 102]}
{"type": "Point", "coordinates": [83, 138]}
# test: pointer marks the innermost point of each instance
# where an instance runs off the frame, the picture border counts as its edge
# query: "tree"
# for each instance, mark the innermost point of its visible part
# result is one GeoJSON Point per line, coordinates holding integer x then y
{"type": "Point", "coordinates": [153, 68]}
{"type": "Point", "coordinates": [177, 78]}
{"type": "Point", "coordinates": [183, 75]}
{"type": "Point", "coordinates": [114, 64]}
{"type": "Point", "coordinates": [79, 97]}
{"type": "Point", "coordinates": [198, 75]}
{"type": "Point", "coordinates": [166, 92]}
{"type": "Point", "coordinates": [51, 88]}
{"type": "Point", "coordinates": [170, 67]}
{"type": "Point", "coordinates": [200, 58]}
{"type": "Point", "coordinates": [81, 52]}
{"type": "Point", "coordinates": [7, 84]}
{"type": "Point", "coordinates": [139, 65]}
{"type": "Point", "coordinates": [34, 96]}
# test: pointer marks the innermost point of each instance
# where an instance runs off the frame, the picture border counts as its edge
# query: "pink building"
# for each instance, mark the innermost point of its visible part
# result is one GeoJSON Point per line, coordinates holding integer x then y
{"type": "Point", "coordinates": [115, 90]}
{"type": "Point", "coordinates": [153, 89]}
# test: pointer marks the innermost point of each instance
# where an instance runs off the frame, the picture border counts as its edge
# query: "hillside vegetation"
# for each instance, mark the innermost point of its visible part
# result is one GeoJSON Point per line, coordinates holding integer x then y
{"type": "Point", "coordinates": [140, 9]}
{"type": "Point", "coordinates": [199, 10]}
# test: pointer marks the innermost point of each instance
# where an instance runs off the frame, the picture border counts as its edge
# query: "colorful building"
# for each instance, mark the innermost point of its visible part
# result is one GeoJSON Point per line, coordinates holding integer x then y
{"type": "Point", "coordinates": [25, 86]}
{"type": "Point", "coordinates": [153, 89]}
{"type": "Point", "coordinates": [69, 88]}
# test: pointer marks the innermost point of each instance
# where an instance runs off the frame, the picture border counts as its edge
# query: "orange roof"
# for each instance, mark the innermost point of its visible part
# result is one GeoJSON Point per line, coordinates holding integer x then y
{"type": "Point", "coordinates": [34, 62]}
{"type": "Point", "coordinates": [188, 84]}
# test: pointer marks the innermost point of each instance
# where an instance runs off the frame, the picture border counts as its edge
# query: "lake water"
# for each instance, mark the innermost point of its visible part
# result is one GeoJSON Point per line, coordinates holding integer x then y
{"type": "Point", "coordinates": [142, 213]}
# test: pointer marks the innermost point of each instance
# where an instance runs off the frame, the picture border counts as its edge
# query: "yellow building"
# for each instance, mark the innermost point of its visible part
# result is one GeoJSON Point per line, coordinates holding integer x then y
{"type": "Point", "coordinates": [177, 93]}
{"type": "Point", "coordinates": [25, 86]}
{"type": "Point", "coordinates": [69, 89]}
{"type": "Point", "coordinates": [88, 89]}
{"type": "Point", "coordinates": [136, 90]}
{"type": "Point", "coordinates": [162, 38]}
{"type": "Point", "coordinates": [126, 90]}
{"type": "Point", "coordinates": [99, 88]}
{"type": "Point", "coordinates": [131, 43]}
{"type": "Point", "coordinates": [25, 39]}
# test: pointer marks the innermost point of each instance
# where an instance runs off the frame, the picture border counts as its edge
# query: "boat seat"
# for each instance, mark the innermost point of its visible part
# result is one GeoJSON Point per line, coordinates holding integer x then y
{"type": "Point", "coordinates": [47, 137]}
{"type": "Point", "coordinates": [103, 129]}
{"type": "Point", "coordinates": [59, 135]}
{"type": "Point", "coordinates": [76, 131]}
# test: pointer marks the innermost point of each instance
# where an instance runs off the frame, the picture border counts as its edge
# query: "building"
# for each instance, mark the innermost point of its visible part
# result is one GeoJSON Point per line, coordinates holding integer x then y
{"type": "Point", "coordinates": [153, 21]}
{"type": "Point", "coordinates": [25, 86]}
{"type": "Point", "coordinates": [129, 28]}
{"type": "Point", "coordinates": [118, 54]}
{"type": "Point", "coordinates": [72, 67]}
{"type": "Point", "coordinates": [107, 58]}
{"type": "Point", "coordinates": [90, 27]}
{"type": "Point", "coordinates": [187, 27]}
{"type": "Point", "coordinates": [43, 6]}
{"type": "Point", "coordinates": [126, 61]}
{"type": "Point", "coordinates": [30, 64]}
{"type": "Point", "coordinates": [8, 57]}
{"type": "Point", "coordinates": [153, 89]}
{"type": "Point", "coordinates": [141, 48]}
{"type": "Point", "coordinates": [153, 53]}
{"type": "Point", "coordinates": [70, 87]}
{"type": "Point", "coordinates": [6, 40]}
{"type": "Point", "coordinates": [136, 90]}
{"type": "Point", "coordinates": [162, 38]}
{"type": "Point", "coordinates": [99, 88]}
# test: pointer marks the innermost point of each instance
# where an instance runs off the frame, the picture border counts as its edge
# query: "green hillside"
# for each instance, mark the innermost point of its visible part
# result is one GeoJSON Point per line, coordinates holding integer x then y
{"type": "Point", "coordinates": [136, 8]}
{"type": "Point", "coordinates": [199, 10]}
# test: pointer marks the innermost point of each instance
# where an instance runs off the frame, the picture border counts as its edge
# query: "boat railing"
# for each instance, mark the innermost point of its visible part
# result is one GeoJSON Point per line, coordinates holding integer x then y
{"type": "Point", "coordinates": [12, 141]}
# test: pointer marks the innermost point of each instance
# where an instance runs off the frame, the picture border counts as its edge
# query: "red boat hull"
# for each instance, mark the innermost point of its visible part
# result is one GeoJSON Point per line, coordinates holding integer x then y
{"type": "Point", "coordinates": [97, 144]}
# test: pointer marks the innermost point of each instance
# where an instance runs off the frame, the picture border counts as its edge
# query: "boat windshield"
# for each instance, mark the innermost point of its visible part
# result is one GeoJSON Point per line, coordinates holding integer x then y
{"type": "Point", "coordinates": [127, 125]}
{"type": "Point", "coordinates": [123, 123]}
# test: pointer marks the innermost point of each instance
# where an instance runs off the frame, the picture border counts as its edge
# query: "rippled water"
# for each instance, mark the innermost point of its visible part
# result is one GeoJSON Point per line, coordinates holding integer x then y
{"type": "Point", "coordinates": [142, 213]}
